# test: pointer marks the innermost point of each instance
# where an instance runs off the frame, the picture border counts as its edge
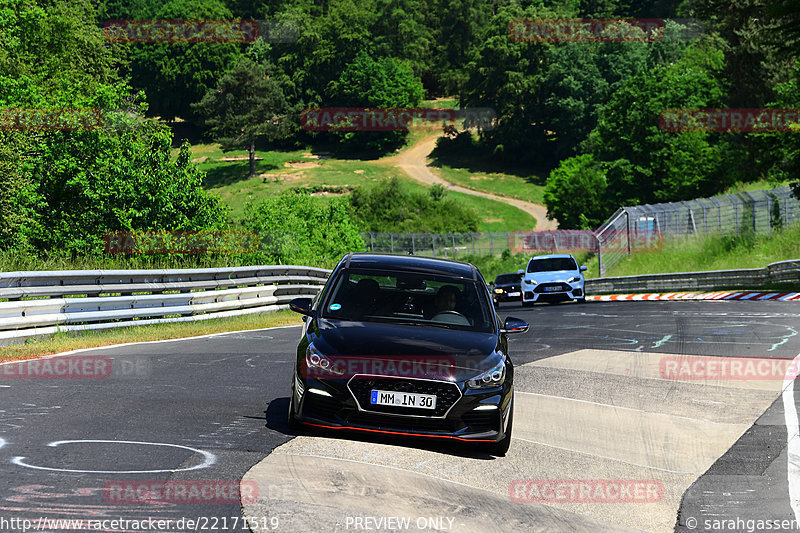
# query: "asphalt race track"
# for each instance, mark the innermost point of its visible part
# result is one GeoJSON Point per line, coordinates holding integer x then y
{"type": "Point", "coordinates": [624, 398]}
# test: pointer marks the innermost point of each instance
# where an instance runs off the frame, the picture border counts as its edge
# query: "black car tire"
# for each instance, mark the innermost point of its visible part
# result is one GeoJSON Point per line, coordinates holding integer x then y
{"type": "Point", "coordinates": [581, 300]}
{"type": "Point", "coordinates": [499, 448]}
{"type": "Point", "coordinates": [527, 304]}
{"type": "Point", "coordinates": [291, 421]}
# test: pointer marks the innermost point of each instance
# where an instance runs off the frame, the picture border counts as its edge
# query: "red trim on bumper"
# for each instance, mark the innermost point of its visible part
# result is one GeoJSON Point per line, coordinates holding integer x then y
{"type": "Point", "coordinates": [396, 432]}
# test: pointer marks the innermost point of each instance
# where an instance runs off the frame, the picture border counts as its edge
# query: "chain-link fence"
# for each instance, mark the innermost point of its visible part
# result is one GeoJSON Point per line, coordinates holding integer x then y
{"type": "Point", "coordinates": [629, 230]}
{"type": "Point", "coordinates": [450, 245]}
{"type": "Point", "coordinates": [754, 211]}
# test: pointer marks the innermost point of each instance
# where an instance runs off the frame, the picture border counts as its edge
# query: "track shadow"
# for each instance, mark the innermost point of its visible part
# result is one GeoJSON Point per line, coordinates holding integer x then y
{"type": "Point", "coordinates": [276, 420]}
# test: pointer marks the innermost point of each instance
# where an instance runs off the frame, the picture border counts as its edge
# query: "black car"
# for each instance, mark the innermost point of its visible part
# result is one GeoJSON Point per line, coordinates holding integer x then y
{"type": "Point", "coordinates": [507, 288]}
{"type": "Point", "coordinates": [405, 345]}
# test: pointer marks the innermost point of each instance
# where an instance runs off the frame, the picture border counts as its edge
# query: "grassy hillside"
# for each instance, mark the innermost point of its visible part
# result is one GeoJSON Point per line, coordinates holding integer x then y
{"type": "Point", "coordinates": [280, 171]}
{"type": "Point", "coordinates": [711, 253]}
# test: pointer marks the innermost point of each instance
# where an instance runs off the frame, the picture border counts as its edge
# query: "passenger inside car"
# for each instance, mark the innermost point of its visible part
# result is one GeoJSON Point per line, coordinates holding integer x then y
{"type": "Point", "coordinates": [367, 296]}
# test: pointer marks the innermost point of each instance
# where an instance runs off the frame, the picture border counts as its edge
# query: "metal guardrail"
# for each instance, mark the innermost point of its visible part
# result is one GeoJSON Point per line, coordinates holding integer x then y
{"type": "Point", "coordinates": [751, 278]}
{"type": "Point", "coordinates": [43, 303]}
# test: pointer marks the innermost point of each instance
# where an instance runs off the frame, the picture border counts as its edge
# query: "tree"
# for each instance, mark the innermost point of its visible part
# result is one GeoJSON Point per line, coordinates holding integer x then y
{"type": "Point", "coordinates": [575, 194]}
{"type": "Point", "coordinates": [375, 82]}
{"type": "Point", "coordinates": [647, 164]}
{"type": "Point", "coordinates": [64, 190]}
{"type": "Point", "coordinates": [248, 104]}
{"type": "Point", "coordinates": [176, 75]}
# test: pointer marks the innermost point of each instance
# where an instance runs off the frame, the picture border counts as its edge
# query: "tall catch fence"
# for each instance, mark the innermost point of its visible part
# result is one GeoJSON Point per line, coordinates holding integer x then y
{"type": "Point", "coordinates": [760, 212]}
{"type": "Point", "coordinates": [628, 230]}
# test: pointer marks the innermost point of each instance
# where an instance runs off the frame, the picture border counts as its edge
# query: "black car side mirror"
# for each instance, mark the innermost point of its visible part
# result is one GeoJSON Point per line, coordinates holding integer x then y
{"type": "Point", "coordinates": [302, 306]}
{"type": "Point", "coordinates": [514, 325]}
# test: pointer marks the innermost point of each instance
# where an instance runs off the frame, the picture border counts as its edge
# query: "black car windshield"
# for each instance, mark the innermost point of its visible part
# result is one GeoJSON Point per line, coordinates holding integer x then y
{"type": "Point", "coordinates": [552, 263]}
{"type": "Point", "coordinates": [419, 299]}
{"type": "Point", "coordinates": [507, 278]}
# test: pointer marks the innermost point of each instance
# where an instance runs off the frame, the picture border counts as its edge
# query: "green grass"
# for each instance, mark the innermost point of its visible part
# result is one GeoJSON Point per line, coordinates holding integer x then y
{"type": "Point", "coordinates": [759, 185]}
{"type": "Point", "coordinates": [284, 170]}
{"type": "Point", "coordinates": [495, 216]}
{"type": "Point", "coordinates": [526, 188]}
{"type": "Point", "coordinates": [63, 342]}
{"type": "Point", "coordinates": [479, 172]}
{"type": "Point", "coordinates": [711, 253]}
{"type": "Point", "coordinates": [441, 103]}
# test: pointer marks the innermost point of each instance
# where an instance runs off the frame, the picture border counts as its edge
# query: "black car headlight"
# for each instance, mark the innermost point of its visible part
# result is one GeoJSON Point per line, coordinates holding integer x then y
{"type": "Point", "coordinates": [494, 377]}
{"type": "Point", "coordinates": [320, 366]}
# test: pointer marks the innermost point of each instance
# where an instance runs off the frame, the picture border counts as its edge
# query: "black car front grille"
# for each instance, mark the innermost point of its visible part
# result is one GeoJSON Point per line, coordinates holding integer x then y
{"type": "Point", "coordinates": [447, 394]}
{"type": "Point", "coordinates": [544, 287]}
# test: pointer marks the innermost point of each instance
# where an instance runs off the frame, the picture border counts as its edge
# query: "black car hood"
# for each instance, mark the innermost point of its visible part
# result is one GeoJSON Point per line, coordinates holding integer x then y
{"type": "Point", "coordinates": [467, 351]}
{"type": "Point", "coordinates": [514, 285]}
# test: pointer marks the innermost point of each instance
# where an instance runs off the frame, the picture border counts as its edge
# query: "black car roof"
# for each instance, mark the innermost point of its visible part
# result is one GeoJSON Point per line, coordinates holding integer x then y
{"type": "Point", "coordinates": [410, 263]}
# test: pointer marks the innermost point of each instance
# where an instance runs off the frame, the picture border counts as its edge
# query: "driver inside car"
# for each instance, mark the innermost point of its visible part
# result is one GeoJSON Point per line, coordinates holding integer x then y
{"type": "Point", "coordinates": [446, 299]}
{"type": "Point", "coordinates": [445, 303]}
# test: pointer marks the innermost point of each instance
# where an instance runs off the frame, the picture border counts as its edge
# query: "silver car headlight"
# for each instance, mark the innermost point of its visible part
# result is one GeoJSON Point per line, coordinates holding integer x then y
{"type": "Point", "coordinates": [574, 279]}
{"type": "Point", "coordinates": [494, 377]}
{"type": "Point", "coordinates": [531, 282]}
{"type": "Point", "coordinates": [320, 366]}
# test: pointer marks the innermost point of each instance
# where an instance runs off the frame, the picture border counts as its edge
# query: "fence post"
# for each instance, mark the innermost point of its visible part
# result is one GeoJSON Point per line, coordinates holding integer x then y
{"type": "Point", "coordinates": [371, 243]}
{"type": "Point", "coordinates": [599, 255]}
{"type": "Point", "coordinates": [433, 244]}
{"type": "Point", "coordinates": [472, 235]}
{"type": "Point", "coordinates": [391, 235]}
{"type": "Point", "coordinates": [413, 246]}
{"type": "Point", "coordinates": [628, 233]}
{"type": "Point", "coordinates": [491, 244]}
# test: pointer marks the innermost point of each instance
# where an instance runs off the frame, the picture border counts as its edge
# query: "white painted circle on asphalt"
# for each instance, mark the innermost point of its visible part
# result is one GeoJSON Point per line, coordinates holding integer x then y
{"type": "Point", "coordinates": [209, 460]}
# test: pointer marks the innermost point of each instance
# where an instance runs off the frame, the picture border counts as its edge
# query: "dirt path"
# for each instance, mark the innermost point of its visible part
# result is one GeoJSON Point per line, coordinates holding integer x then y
{"type": "Point", "coordinates": [414, 161]}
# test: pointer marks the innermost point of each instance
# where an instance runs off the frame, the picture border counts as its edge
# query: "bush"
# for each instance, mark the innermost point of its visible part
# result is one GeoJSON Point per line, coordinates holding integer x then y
{"type": "Point", "coordinates": [575, 193]}
{"type": "Point", "coordinates": [303, 230]}
{"type": "Point", "coordinates": [386, 207]}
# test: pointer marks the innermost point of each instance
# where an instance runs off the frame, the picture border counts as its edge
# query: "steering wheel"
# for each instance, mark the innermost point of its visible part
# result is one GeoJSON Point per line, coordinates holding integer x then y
{"type": "Point", "coordinates": [451, 317]}
{"type": "Point", "coordinates": [449, 312]}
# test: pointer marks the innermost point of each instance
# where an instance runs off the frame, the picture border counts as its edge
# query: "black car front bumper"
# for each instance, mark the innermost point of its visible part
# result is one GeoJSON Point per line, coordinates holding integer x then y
{"type": "Point", "coordinates": [462, 413]}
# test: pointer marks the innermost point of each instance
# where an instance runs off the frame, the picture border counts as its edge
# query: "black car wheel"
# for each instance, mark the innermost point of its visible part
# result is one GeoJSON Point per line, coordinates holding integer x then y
{"type": "Point", "coordinates": [581, 300]}
{"type": "Point", "coordinates": [499, 448]}
{"type": "Point", "coordinates": [291, 421]}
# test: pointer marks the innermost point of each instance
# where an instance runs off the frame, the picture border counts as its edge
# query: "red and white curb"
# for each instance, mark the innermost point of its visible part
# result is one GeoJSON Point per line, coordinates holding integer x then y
{"type": "Point", "coordinates": [783, 296]}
